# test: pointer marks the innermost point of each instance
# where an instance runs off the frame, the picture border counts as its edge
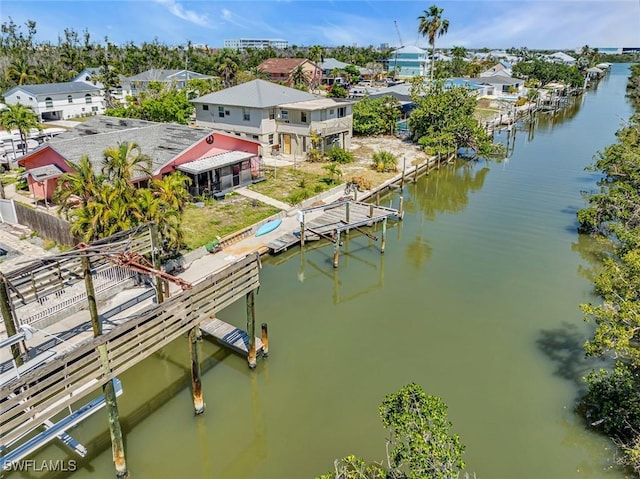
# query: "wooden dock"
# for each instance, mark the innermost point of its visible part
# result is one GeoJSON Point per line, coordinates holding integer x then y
{"type": "Point", "coordinates": [229, 336]}
{"type": "Point", "coordinates": [335, 218]}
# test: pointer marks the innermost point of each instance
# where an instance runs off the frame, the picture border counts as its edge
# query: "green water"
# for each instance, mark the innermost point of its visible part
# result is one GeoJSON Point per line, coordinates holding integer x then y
{"type": "Point", "coordinates": [476, 299]}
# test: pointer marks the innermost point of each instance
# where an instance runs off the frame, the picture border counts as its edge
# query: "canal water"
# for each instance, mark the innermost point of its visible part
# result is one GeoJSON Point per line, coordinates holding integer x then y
{"type": "Point", "coordinates": [475, 299]}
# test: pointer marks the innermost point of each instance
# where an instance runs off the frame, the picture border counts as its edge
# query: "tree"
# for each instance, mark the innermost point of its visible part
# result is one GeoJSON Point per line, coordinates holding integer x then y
{"type": "Point", "coordinates": [125, 163]}
{"type": "Point", "coordinates": [299, 78]}
{"type": "Point", "coordinates": [21, 117]}
{"type": "Point", "coordinates": [21, 71]}
{"type": "Point", "coordinates": [420, 443]}
{"type": "Point", "coordinates": [432, 25]}
{"type": "Point", "coordinates": [81, 186]}
{"type": "Point", "coordinates": [338, 91]}
{"type": "Point", "coordinates": [316, 55]}
{"type": "Point", "coordinates": [375, 116]}
{"type": "Point", "coordinates": [108, 77]}
{"type": "Point", "coordinates": [227, 65]}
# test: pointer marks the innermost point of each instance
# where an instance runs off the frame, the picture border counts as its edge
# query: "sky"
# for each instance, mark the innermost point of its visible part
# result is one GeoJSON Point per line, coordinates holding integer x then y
{"type": "Point", "coordinates": [535, 24]}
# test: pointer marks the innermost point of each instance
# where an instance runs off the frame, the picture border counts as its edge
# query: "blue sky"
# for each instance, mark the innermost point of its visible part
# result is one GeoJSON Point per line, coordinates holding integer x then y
{"type": "Point", "coordinates": [549, 24]}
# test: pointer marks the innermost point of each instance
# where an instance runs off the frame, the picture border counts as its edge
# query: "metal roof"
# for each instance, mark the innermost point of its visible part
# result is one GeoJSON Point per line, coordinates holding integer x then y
{"type": "Point", "coordinates": [256, 94]}
{"type": "Point", "coordinates": [167, 75]}
{"type": "Point", "coordinates": [43, 173]}
{"type": "Point", "coordinates": [212, 162]}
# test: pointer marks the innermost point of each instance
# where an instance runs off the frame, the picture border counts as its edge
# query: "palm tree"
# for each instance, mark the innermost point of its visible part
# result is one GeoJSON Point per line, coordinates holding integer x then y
{"type": "Point", "coordinates": [21, 117]}
{"type": "Point", "coordinates": [125, 163]}
{"type": "Point", "coordinates": [316, 55]}
{"type": "Point", "coordinates": [227, 61]}
{"type": "Point", "coordinates": [21, 71]}
{"type": "Point", "coordinates": [299, 77]}
{"type": "Point", "coordinates": [432, 25]}
{"type": "Point", "coordinates": [81, 184]}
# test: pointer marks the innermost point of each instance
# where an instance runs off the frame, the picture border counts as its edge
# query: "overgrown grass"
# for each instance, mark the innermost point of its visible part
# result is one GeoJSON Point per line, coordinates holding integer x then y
{"type": "Point", "coordinates": [291, 185]}
{"type": "Point", "coordinates": [221, 218]}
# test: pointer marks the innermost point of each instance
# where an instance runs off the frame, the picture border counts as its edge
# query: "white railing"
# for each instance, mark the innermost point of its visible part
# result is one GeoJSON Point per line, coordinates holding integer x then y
{"type": "Point", "coordinates": [104, 280]}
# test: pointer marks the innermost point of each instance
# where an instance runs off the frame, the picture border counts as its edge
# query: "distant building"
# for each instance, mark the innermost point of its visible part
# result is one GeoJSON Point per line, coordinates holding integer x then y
{"type": "Point", "coordinates": [171, 78]}
{"type": "Point", "coordinates": [242, 43]}
{"type": "Point", "coordinates": [409, 61]}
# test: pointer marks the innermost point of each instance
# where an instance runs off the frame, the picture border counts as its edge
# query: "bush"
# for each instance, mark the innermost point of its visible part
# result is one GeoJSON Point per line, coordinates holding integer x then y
{"type": "Point", "coordinates": [341, 156]}
{"type": "Point", "coordinates": [521, 101]}
{"type": "Point", "coordinates": [385, 161]}
{"type": "Point", "coordinates": [361, 182]}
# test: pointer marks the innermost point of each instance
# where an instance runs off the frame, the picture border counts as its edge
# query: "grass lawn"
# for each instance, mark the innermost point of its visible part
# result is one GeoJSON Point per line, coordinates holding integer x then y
{"type": "Point", "coordinates": [221, 218]}
{"type": "Point", "coordinates": [292, 185]}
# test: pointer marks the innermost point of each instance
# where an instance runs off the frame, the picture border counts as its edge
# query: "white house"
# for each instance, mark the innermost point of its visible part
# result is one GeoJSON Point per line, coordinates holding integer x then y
{"type": "Point", "coordinates": [171, 78]}
{"type": "Point", "coordinates": [501, 68]}
{"type": "Point", "coordinates": [119, 93]}
{"type": "Point", "coordinates": [58, 101]}
{"type": "Point", "coordinates": [561, 57]}
{"type": "Point", "coordinates": [280, 118]}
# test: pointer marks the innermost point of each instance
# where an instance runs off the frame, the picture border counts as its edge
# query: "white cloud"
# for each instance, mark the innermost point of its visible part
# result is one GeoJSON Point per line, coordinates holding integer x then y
{"type": "Point", "coordinates": [189, 15]}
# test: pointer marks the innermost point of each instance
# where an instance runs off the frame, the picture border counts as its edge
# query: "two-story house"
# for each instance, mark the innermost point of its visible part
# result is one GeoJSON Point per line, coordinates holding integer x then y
{"type": "Point", "coordinates": [119, 93]}
{"type": "Point", "coordinates": [409, 61]}
{"type": "Point", "coordinates": [58, 101]}
{"type": "Point", "coordinates": [280, 118]}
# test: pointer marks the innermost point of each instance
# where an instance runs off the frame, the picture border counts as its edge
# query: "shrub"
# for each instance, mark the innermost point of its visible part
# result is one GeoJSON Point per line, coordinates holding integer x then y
{"type": "Point", "coordinates": [361, 182]}
{"type": "Point", "coordinates": [341, 156]}
{"type": "Point", "coordinates": [521, 101]}
{"type": "Point", "coordinates": [385, 161]}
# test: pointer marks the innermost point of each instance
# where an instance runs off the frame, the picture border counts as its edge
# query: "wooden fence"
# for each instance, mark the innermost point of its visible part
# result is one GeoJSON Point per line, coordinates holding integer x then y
{"type": "Point", "coordinates": [46, 225]}
{"type": "Point", "coordinates": [43, 392]}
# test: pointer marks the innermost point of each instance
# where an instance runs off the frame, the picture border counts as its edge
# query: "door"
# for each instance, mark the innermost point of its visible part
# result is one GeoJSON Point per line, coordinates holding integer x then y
{"type": "Point", "coordinates": [236, 174]}
{"type": "Point", "coordinates": [287, 144]}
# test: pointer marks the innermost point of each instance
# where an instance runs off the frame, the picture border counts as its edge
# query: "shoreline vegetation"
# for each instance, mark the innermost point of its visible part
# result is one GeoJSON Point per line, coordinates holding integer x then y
{"type": "Point", "coordinates": [612, 402]}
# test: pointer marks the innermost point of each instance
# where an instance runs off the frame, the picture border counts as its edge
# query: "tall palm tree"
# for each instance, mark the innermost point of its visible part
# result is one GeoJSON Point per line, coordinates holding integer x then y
{"type": "Point", "coordinates": [227, 62]}
{"type": "Point", "coordinates": [299, 77]}
{"type": "Point", "coordinates": [432, 25]}
{"type": "Point", "coordinates": [21, 117]}
{"type": "Point", "coordinates": [316, 55]}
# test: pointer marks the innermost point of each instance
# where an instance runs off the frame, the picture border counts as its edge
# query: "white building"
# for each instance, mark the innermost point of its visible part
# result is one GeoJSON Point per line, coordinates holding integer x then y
{"type": "Point", "coordinates": [242, 43]}
{"type": "Point", "coordinates": [58, 101]}
{"type": "Point", "coordinates": [119, 93]}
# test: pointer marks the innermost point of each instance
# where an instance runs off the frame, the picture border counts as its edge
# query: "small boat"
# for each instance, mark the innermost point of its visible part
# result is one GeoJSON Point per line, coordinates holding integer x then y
{"type": "Point", "coordinates": [268, 227]}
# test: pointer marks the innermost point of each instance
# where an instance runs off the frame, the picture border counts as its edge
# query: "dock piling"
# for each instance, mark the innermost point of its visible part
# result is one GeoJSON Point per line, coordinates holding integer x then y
{"type": "Point", "coordinates": [383, 241]}
{"type": "Point", "coordinates": [336, 249]}
{"type": "Point", "coordinates": [251, 329]}
{"type": "Point", "coordinates": [265, 341]}
{"type": "Point", "coordinates": [196, 381]}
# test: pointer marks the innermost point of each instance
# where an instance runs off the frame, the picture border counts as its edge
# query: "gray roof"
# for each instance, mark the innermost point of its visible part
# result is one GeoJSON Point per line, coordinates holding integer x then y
{"type": "Point", "coordinates": [167, 76]}
{"type": "Point", "coordinates": [55, 88]}
{"type": "Point", "coordinates": [255, 94]}
{"type": "Point", "coordinates": [46, 172]}
{"type": "Point", "coordinates": [331, 63]}
{"type": "Point", "coordinates": [216, 161]}
{"type": "Point", "coordinates": [162, 142]}
{"type": "Point", "coordinates": [496, 80]}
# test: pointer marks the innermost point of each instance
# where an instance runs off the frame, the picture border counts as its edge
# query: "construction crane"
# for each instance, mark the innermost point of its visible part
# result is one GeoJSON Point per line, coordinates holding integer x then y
{"type": "Point", "coordinates": [395, 57]}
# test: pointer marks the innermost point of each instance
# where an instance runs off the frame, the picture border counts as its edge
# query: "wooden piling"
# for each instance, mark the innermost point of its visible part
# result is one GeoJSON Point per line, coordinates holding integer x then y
{"type": "Point", "coordinates": [155, 257]}
{"type": "Point", "coordinates": [378, 198]}
{"type": "Point", "coordinates": [415, 174]}
{"type": "Point", "coordinates": [265, 340]}
{"type": "Point", "coordinates": [336, 248]}
{"type": "Point", "coordinates": [108, 390]}
{"type": "Point", "coordinates": [370, 211]}
{"type": "Point", "coordinates": [400, 212]}
{"type": "Point", "coordinates": [402, 179]}
{"type": "Point", "coordinates": [196, 380]}
{"type": "Point", "coordinates": [346, 212]}
{"type": "Point", "coordinates": [383, 241]}
{"type": "Point", "coordinates": [251, 329]}
{"type": "Point", "coordinates": [9, 322]}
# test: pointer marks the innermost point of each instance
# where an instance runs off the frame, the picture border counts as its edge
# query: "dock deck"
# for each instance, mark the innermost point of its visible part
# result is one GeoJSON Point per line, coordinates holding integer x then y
{"type": "Point", "coordinates": [229, 336]}
{"type": "Point", "coordinates": [343, 215]}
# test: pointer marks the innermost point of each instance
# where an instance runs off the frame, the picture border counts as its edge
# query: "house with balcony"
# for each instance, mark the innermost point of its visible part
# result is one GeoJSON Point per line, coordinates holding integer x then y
{"type": "Point", "coordinates": [58, 101]}
{"type": "Point", "coordinates": [119, 93]}
{"type": "Point", "coordinates": [409, 61]}
{"type": "Point", "coordinates": [214, 161]}
{"type": "Point", "coordinates": [282, 119]}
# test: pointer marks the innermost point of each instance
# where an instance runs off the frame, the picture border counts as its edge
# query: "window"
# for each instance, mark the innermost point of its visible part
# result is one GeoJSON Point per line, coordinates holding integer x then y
{"type": "Point", "coordinates": [69, 99]}
{"type": "Point", "coordinates": [48, 102]}
{"type": "Point", "coordinates": [303, 116]}
{"type": "Point", "coordinates": [342, 112]}
{"type": "Point", "coordinates": [94, 108]}
{"type": "Point", "coordinates": [18, 97]}
{"type": "Point", "coordinates": [331, 112]}
{"type": "Point", "coordinates": [205, 107]}
{"type": "Point", "coordinates": [87, 98]}
{"type": "Point", "coordinates": [221, 111]}
{"type": "Point", "coordinates": [119, 91]}
{"type": "Point", "coordinates": [284, 114]}
{"type": "Point", "coordinates": [255, 137]}
{"type": "Point", "coordinates": [271, 139]}
{"type": "Point", "coordinates": [246, 114]}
